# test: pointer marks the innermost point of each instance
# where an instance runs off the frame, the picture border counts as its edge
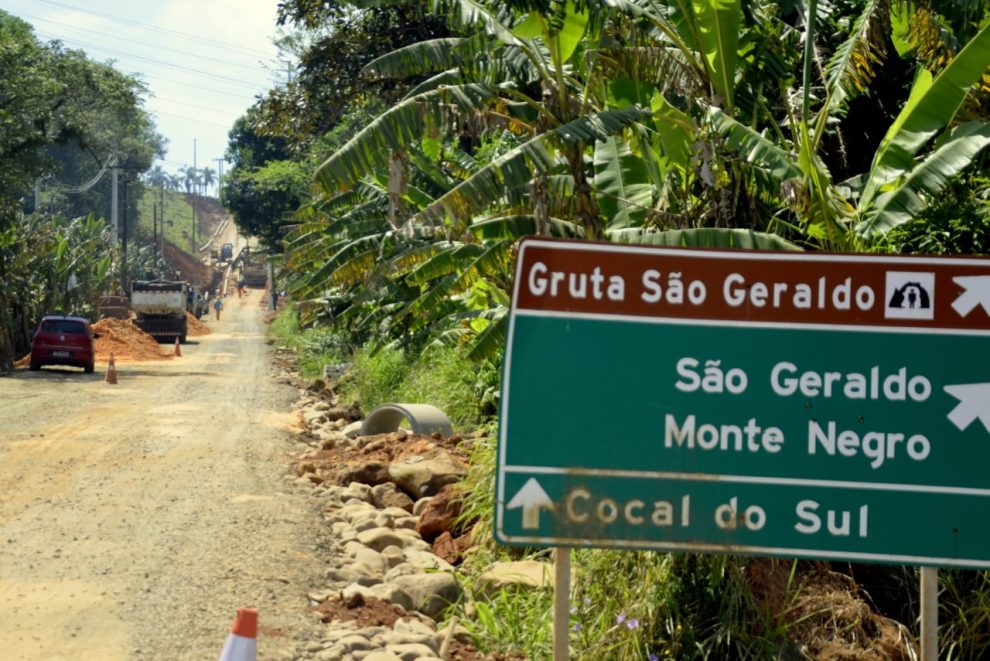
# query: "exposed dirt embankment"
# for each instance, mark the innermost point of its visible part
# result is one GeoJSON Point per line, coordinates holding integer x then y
{"type": "Point", "coordinates": [191, 269]}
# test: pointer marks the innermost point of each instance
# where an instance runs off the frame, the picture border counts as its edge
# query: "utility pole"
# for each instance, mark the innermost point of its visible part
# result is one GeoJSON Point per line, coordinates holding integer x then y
{"type": "Point", "coordinates": [123, 244]}
{"type": "Point", "coordinates": [161, 237]}
{"type": "Point", "coordinates": [154, 233]}
{"type": "Point", "coordinates": [195, 169]}
{"type": "Point", "coordinates": [113, 201]}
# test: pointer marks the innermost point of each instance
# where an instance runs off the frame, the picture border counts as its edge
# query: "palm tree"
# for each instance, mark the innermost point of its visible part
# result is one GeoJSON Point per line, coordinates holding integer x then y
{"type": "Point", "coordinates": [190, 178]}
{"type": "Point", "coordinates": [208, 177]}
{"type": "Point", "coordinates": [156, 177]}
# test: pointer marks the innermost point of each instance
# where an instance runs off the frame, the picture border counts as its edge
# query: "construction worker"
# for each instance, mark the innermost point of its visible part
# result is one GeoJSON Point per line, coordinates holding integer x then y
{"type": "Point", "coordinates": [218, 305]}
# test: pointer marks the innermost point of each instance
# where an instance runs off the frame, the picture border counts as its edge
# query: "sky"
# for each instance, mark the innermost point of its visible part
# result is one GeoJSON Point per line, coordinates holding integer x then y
{"type": "Point", "coordinates": [204, 61]}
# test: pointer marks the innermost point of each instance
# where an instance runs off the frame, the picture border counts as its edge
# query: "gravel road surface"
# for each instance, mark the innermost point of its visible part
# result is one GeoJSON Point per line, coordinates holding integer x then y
{"type": "Point", "coordinates": [136, 518]}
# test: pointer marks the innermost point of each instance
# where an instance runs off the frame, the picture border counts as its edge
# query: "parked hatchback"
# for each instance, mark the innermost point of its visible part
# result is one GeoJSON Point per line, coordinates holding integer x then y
{"type": "Point", "coordinates": [62, 340]}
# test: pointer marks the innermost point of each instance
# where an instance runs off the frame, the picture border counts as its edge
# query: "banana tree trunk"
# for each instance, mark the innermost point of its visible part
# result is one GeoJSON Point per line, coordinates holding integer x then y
{"type": "Point", "coordinates": [539, 197]}
{"type": "Point", "coordinates": [397, 183]}
{"type": "Point", "coordinates": [587, 210]}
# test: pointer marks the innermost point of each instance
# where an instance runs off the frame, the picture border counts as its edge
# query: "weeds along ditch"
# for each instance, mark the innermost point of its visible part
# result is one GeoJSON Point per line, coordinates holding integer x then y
{"type": "Point", "coordinates": [637, 604]}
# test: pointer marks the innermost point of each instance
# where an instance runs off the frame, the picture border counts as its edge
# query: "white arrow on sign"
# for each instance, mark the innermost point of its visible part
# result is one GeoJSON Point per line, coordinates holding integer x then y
{"type": "Point", "coordinates": [974, 402]}
{"type": "Point", "coordinates": [976, 291]}
{"type": "Point", "coordinates": [531, 498]}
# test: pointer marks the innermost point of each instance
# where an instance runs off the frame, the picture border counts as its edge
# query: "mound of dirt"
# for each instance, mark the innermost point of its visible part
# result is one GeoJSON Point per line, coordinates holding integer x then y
{"type": "Point", "coordinates": [209, 212]}
{"type": "Point", "coordinates": [195, 327]}
{"type": "Point", "coordinates": [126, 341]}
{"type": "Point", "coordinates": [188, 267]}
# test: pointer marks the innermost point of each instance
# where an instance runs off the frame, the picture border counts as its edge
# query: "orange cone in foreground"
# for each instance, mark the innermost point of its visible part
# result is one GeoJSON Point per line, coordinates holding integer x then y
{"type": "Point", "coordinates": [178, 349]}
{"type": "Point", "coordinates": [111, 371]}
{"type": "Point", "coordinates": [241, 644]}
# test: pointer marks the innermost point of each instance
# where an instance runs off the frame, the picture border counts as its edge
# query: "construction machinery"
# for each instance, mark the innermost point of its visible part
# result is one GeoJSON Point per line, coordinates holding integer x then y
{"type": "Point", "coordinates": [160, 306]}
{"type": "Point", "coordinates": [253, 271]}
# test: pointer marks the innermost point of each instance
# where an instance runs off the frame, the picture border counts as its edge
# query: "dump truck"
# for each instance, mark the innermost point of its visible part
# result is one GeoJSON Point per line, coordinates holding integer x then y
{"type": "Point", "coordinates": [160, 306]}
{"type": "Point", "coordinates": [253, 271]}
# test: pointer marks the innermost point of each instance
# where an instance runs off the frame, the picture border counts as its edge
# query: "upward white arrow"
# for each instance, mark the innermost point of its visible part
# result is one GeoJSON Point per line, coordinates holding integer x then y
{"type": "Point", "coordinates": [531, 498]}
{"type": "Point", "coordinates": [976, 291]}
{"type": "Point", "coordinates": [974, 402]}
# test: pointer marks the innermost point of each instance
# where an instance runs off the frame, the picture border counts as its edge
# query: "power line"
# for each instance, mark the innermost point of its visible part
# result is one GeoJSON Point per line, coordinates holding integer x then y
{"type": "Point", "coordinates": [239, 96]}
{"type": "Point", "coordinates": [191, 105]}
{"type": "Point", "coordinates": [199, 56]}
{"type": "Point", "coordinates": [192, 119]}
{"type": "Point", "coordinates": [155, 28]}
{"type": "Point", "coordinates": [85, 44]}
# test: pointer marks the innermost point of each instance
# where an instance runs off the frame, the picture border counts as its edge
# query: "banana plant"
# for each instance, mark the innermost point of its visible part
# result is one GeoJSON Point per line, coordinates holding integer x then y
{"type": "Point", "coordinates": [901, 178]}
{"type": "Point", "coordinates": [538, 89]}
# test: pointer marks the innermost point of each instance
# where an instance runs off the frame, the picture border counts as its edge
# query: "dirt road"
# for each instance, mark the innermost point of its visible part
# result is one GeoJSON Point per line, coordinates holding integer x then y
{"type": "Point", "coordinates": [135, 519]}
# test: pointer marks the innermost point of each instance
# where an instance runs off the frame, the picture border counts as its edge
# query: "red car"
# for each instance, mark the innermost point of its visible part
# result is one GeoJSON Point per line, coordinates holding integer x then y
{"type": "Point", "coordinates": [62, 340]}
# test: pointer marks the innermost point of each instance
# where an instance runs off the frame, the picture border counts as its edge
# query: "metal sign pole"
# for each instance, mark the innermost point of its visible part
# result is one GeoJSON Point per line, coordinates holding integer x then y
{"type": "Point", "coordinates": [929, 614]}
{"type": "Point", "coordinates": [561, 595]}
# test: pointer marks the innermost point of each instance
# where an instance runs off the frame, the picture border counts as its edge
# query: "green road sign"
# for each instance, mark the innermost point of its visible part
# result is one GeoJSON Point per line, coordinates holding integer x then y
{"type": "Point", "coordinates": [824, 406]}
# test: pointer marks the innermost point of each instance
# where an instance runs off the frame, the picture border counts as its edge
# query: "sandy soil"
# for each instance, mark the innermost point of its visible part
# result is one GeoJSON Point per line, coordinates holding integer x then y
{"type": "Point", "coordinates": [136, 518]}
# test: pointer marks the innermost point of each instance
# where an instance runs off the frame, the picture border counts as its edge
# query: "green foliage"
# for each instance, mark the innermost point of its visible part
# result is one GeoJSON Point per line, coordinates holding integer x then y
{"type": "Point", "coordinates": [445, 378]}
{"type": "Point", "coordinates": [964, 605]}
{"type": "Point", "coordinates": [178, 217]}
{"type": "Point", "coordinates": [673, 607]}
{"type": "Point", "coordinates": [442, 377]}
{"type": "Point", "coordinates": [957, 223]}
{"type": "Point", "coordinates": [38, 259]}
{"type": "Point", "coordinates": [62, 120]}
{"type": "Point", "coordinates": [513, 620]}
{"type": "Point", "coordinates": [375, 378]}
{"type": "Point", "coordinates": [262, 198]}
{"type": "Point", "coordinates": [314, 347]}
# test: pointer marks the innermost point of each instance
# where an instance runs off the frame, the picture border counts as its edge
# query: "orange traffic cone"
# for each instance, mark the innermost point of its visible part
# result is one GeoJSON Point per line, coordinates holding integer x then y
{"type": "Point", "coordinates": [241, 644]}
{"type": "Point", "coordinates": [178, 349]}
{"type": "Point", "coordinates": [111, 371]}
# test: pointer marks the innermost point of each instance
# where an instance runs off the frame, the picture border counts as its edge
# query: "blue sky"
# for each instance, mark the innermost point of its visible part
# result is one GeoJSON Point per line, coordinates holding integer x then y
{"type": "Point", "coordinates": [204, 61]}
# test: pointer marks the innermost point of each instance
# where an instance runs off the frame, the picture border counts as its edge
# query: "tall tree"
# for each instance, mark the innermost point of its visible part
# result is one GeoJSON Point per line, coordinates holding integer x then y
{"type": "Point", "coordinates": [208, 177]}
{"type": "Point", "coordinates": [64, 120]}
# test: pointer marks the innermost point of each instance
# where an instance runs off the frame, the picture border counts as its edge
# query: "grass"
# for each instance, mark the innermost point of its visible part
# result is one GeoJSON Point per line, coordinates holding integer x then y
{"type": "Point", "coordinates": [178, 218]}
{"type": "Point", "coordinates": [964, 605]}
{"type": "Point", "coordinates": [442, 377]}
{"type": "Point", "coordinates": [314, 347]}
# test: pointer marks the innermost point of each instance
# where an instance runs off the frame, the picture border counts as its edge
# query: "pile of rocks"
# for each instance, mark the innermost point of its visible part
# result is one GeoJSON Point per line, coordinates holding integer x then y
{"type": "Point", "coordinates": [384, 501]}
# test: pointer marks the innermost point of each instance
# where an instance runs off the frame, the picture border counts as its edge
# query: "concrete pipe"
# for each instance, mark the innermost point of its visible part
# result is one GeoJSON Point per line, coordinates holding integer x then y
{"type": "Point", "coordinates": [423, 418]}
